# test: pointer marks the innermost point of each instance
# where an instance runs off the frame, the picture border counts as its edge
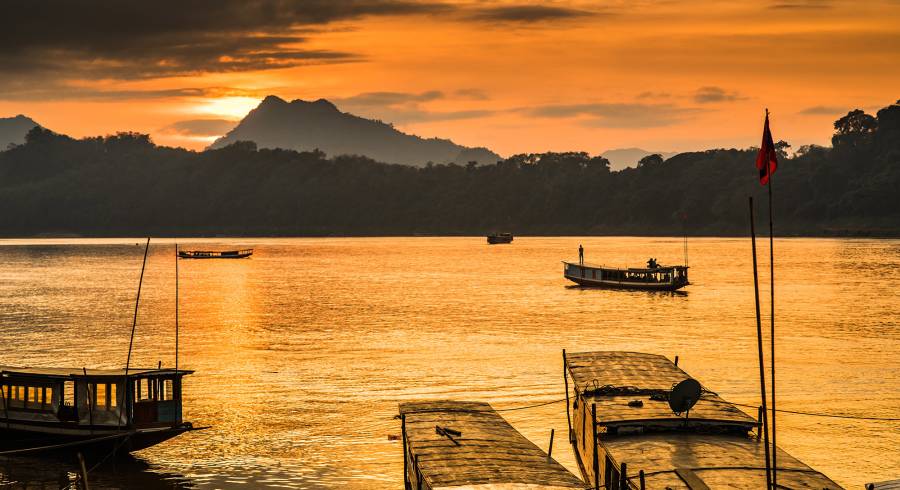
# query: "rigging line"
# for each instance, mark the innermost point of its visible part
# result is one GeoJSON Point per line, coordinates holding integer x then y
{"type": "Point", "coordinates": [530, 406]}
{"type": "Point", "coordinates": [829, 415]}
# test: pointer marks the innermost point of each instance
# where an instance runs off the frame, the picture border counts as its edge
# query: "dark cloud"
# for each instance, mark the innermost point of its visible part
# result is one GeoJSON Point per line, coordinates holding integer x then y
{"type": "Point", "coordinates": [471, 93]}
{"type": "Point", "coordinates": [526, 13]}
{"type": "Point", "coordinates": [405, 108]}
{"type": "Point", "coordinates": [824, 110]}
{"type": "Point", "coordinates": [378, 99]}
{"type": "Point", "coordinates": [200, 127]}
{"type": "Point", "coordinates": [617, 115]}
{"type": "Point", "coordinates": [47, 40]}
{"type": "Point", "coordinates": [710, 95]}
{"type": "Point", "coordinates": [800, 5]}
{"type": "Point", "coordinates": [62, 90]}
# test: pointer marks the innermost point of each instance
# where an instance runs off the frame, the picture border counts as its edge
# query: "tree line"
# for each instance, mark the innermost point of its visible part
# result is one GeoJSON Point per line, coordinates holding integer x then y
{"type": "Point", "coordinates": [124, 184]}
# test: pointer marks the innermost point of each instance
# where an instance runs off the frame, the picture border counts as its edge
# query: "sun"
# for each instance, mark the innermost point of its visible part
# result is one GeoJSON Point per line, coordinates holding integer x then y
{"type": "Point", "coordinates": [226, 107]}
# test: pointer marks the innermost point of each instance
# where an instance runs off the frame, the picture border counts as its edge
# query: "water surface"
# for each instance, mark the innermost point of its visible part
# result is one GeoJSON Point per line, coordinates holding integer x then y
{"type": "Point", "coordinates": [303, 351]}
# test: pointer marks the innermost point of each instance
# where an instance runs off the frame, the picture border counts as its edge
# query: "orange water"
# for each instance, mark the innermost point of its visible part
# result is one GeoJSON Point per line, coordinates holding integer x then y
{"type": "Point", "coordinates": [303, 351]}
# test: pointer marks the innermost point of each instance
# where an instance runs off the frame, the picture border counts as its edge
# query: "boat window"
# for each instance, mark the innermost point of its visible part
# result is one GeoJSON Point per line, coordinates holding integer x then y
{"type": "Point", "coordinates": [16, 397]}
{"type": "Point", "coordinates": [168, 391]}
{"type": "Point", "coordinates": [69, 393]}
{"type": "Point", "coordinates": [100, 400]}
{"type": "Point", "coordinates": [113, 403]}
{"type": "Point", "coordinates": [33, 397]}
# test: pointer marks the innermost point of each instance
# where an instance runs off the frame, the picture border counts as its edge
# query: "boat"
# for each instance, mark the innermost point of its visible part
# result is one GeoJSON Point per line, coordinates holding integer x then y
{"type": "Point", "coordinates": [93, 411]}
{"type": "Point", "coordinates": [467, 445]}
{"type": "Point", "coordinates": [658, 278]}
{"type": "Point", "coordinates": [622, 402]}
{"type": "Point", "coordinates": [498, 238]}
{"type": "Point", "coordinates": [207, 254]}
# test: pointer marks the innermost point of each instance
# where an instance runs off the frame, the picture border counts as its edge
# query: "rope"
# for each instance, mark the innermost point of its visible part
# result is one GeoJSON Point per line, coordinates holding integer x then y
{"type": "Point", "coordinates": [827, 415]}
{"type": "Point", "coordinates": [528, 406]}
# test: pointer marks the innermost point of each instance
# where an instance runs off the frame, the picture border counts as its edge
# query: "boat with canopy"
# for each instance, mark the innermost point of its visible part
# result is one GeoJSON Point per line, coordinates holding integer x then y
{"type": "Point", "coordinates": [209, 254]}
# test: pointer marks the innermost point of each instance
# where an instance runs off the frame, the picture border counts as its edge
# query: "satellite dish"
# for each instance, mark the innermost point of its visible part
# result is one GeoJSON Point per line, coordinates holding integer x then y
{"type": "Point", "coordinates": [684, 396]}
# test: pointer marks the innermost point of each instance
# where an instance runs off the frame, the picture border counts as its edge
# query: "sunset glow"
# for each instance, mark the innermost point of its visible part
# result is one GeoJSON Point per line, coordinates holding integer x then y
{"type": "Point", "coordinates": [515, 77]}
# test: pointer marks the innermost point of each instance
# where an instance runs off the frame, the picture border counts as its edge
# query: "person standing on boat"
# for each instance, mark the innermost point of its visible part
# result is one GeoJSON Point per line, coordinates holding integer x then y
{"type": "Point", "coordinates": [580, 255]}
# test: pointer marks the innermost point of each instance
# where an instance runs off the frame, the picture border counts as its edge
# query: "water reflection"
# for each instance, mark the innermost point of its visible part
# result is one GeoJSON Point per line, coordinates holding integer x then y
{"type": "Point", "coordinates": [303, 351]}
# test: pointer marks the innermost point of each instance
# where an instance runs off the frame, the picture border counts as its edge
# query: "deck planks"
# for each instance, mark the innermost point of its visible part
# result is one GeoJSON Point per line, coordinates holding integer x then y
{"type": "Point", "coordinates": [489, 453]}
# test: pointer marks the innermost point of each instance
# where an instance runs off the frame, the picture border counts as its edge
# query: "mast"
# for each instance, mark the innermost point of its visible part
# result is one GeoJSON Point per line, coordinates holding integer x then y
{"type": "Point", "coordinates": [137, 302]}
{"type": "Point", "coordinates": [176, 308]}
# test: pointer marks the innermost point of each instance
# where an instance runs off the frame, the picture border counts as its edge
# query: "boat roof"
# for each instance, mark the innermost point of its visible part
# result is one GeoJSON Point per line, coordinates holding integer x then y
{"type": "Point", "coordinates": [699, 461]}
{"type": "Point", "coordinates": [488, 454]}
{"type": "Point", "coordinates": [884, 485]}
{"type": "Point", "coordinates": [59, 372]}
{"type": "Point", "coordinates": [613, 380]}
{"type": "Point", "coordinates": [626, 269]}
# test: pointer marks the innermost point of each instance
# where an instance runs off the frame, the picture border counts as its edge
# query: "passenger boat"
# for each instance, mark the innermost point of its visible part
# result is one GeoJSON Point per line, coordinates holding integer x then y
{"type": "Point", "coordinates": [206, 254]}
{"type": "Point", "coordinates": [467, 445]}
{"type": "Point", "coordinates": [659, 278]}
{"type": "Point", "coordinates": [626, 436]}
{"type": "Point", "coordinates": [94, 411]}
{"type": "Point", "coordinates": [497, 238]}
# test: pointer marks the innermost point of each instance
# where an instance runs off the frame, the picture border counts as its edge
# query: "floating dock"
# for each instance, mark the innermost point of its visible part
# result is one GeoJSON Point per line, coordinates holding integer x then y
{"type": "Point", "coordinates": [468, 445]}
{"type": "Point", "coordinates": [625, 435]}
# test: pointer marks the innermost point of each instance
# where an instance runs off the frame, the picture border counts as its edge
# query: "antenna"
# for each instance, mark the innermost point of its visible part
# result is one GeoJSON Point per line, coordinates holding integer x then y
{"type": "Point", "coordinates": [684, 396]}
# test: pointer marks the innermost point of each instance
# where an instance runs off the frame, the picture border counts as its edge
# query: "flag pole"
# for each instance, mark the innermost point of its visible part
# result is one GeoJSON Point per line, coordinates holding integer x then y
{"type": "Point", "coordinates": [772, 320]}
{"type": "Point", "coordinates": [759, 345]}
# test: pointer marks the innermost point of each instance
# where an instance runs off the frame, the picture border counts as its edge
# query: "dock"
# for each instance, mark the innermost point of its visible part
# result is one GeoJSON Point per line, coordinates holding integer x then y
{"type": "Point", "coordinates": [625, 435]}
{"type": "Point", "coordinates": [468, 445]}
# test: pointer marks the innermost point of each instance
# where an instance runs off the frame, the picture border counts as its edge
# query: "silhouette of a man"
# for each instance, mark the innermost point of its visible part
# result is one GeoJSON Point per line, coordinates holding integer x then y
{"type": "Point", "coordinates": [580, 255]}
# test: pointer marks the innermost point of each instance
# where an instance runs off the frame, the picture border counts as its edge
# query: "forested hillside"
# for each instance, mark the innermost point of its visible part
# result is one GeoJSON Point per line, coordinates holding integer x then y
{"type": "Point", "coordinates": [126, 185]}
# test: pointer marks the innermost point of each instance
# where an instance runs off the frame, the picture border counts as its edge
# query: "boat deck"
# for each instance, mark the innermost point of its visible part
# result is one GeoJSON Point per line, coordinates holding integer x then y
{"type": "Point", "coordinates": [487, 453]}
{"type": "Point", "coordinates": [636, 431]}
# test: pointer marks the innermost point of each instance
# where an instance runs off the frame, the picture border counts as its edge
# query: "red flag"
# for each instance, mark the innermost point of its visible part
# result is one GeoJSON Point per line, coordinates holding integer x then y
{"type": "Point", "coordinates": [766, 159]}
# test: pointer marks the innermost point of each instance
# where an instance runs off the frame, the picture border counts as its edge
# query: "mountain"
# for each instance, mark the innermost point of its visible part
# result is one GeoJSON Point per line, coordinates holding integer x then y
{"type": "Point", "coordinates": [14, 129]}
{"type": "Point", "coordinates": [629, 157]}
{"type": "Point", "coordinates": [302, 125]}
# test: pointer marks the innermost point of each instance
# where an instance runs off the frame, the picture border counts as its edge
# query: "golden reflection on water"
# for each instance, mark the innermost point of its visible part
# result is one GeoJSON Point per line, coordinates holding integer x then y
{"type": "Point", "coordinates": [303, 351]}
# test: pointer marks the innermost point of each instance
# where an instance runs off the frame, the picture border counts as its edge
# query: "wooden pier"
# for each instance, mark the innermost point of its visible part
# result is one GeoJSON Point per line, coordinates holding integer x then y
{"type": "Point", "coordinates": [625, 435]}
{"type": "Point", "coordinates": [467, 445]}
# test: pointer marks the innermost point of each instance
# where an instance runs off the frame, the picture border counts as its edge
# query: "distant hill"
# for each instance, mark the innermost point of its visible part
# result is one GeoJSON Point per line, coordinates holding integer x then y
{"type": "Point", "coordinates": [14, 129]}
{"type": "Point", "coordinates": [304, 126]}
{"type": "Point", "coordinates": [629, 157]}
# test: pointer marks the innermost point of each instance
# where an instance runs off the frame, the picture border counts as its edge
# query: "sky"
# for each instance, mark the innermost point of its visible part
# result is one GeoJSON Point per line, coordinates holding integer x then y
{"type": "Point", "coordinates": [514, 76]}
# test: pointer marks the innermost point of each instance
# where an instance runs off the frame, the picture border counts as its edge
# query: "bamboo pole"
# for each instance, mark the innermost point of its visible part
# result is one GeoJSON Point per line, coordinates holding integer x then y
{"type": "Point", "coordinates": [772, 332]}
{"type": "Point", "coordinates": [568, 405]}
{"type": "Point", "coordinates": [594, 446]}
{"type": "Point", "coordinates": [759, 343]}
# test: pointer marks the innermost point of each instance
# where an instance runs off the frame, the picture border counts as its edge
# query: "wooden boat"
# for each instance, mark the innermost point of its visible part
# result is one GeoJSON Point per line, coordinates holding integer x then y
{"type": "Point", "coordinates": [467, 445]}
{"type": "Point", "coordinates": [206, 254]}
{"type": "Point", "coordinates": [625, 435]}
{"type": "Point", "coordinates": [660, 278]}
{"type": "Point", "coordinates": [94, 411]}
{"type": "Point", "coordinates": [498, 238]}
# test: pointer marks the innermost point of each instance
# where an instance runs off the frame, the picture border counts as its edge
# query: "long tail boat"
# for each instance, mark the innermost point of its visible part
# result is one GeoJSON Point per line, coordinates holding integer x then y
{"type": "Point", "coordinates": [659, 278]}
{"type": "Point", "coordinates": [94, 411]}
{"type": "Point", "coordinates": [626, 436]}
{"type": "Point", "coordinates": [208, 254]}
{"type": "Point", "coordinates": [498, 238]}
{"type": "Point", "coordinates": [467, 445]}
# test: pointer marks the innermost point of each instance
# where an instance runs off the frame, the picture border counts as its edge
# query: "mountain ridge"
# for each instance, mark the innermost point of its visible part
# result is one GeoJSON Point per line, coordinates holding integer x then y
{"type": "Point", "coordinates": [14, 129]}
{"type": "Point", "coordinates": [319, 125]}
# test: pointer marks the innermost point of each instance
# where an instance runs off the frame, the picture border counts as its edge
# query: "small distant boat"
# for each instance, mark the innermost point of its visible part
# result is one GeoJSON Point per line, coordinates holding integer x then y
{"type": "Point", "coordinates": [497, 238]}
{"type": "Point", "coordinates": [206, 254]}
{"type": "Point", "coordinates": [659, 278]}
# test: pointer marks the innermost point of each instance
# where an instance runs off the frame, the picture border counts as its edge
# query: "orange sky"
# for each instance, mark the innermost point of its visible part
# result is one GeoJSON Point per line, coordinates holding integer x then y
{"type": "Point", "coordinates": [513, 76]}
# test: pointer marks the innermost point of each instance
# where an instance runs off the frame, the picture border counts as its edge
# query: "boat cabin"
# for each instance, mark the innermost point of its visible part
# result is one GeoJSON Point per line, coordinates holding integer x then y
{"type": "Point", "coordinates": [662, 278]}
{"type": "Point", "coordinates": [626, 436]}
{"type": "Point", "coordinates": [43, 399]}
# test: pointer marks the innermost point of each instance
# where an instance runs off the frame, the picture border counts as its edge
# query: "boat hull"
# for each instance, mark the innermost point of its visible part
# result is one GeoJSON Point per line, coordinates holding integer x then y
{"type": "Point", "coordinates": [189, 255]}
{"type": "Point", "coordinates": [499, 239]}
{"type": "Point", "coordinates": [604, 284]}
{"type": "Point", "coordinates": [16, 441]}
